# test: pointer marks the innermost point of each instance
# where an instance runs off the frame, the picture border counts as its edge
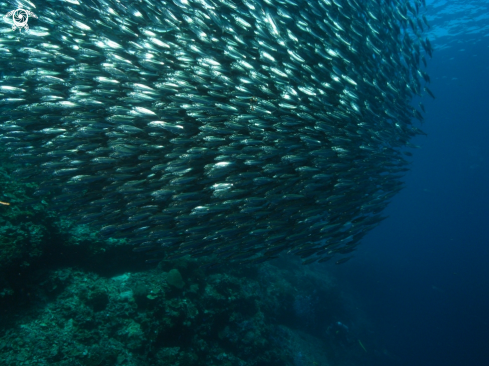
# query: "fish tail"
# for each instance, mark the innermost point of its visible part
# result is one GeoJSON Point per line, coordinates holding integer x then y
{"type": "Point", "coordinates": [361, 344]}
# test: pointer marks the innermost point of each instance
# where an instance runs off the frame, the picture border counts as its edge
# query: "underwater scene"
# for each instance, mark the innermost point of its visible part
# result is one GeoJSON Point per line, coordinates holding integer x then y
{"type": "Point", "coordinates": [244, 182]}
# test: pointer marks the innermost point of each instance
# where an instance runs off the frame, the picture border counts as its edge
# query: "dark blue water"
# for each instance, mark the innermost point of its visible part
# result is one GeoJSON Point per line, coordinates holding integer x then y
{"type": "Point", "coordinates": [423, 275]}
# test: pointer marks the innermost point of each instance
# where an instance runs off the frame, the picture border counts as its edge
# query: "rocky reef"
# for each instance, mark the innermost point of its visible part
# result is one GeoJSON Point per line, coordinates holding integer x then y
{"type": "Point", "coordinates": [70, 297]}
{"type": "Point", "coordinates": [175, 313]}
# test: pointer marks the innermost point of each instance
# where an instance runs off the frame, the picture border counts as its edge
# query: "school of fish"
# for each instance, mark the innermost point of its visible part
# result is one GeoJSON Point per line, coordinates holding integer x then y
{"type": "Point", "coordinates": [233, 128]}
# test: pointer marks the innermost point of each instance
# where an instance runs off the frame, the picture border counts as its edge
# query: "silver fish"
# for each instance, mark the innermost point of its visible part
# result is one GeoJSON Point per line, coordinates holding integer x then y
{"type": "Point", "coordinates": [241, 129]}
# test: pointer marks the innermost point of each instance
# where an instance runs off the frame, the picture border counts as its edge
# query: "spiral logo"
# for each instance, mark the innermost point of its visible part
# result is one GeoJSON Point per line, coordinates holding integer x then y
{"type": "Point", "coordinates": [19, 18]}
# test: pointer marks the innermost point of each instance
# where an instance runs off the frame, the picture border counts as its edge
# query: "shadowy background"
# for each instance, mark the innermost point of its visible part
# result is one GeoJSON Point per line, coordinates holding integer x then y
{"type": "Point", "coordinates": [422, 277]}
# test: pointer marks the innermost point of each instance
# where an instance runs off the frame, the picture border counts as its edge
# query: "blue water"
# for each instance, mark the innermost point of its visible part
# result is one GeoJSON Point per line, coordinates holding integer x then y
{"type": "Point", "coordinates": [422, 277]}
